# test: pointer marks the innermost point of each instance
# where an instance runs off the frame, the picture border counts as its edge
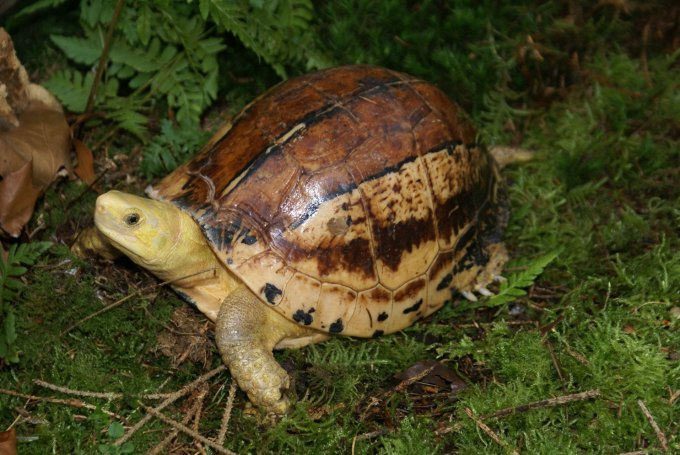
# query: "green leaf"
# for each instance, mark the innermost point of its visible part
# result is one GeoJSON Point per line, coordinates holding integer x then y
{"type": "Point", "coordinates": [9, 327]}
{"type": "Point", "coordinates": [71, 88]}
{"type": "Point", "coordinates": [514, 286]}
{"type": "Point", "coordinates": [144, 25]}
{"type": "Point", "coordinates": [38, 6]}
{"type": "Point", "coordinates": [80, 50]}
{"type": "Point", "coordinates": [116, 430]}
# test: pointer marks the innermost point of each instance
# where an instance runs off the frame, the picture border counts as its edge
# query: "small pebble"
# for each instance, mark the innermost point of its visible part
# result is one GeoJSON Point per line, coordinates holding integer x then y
{"type": "Point", "coordinates": [675, 312]}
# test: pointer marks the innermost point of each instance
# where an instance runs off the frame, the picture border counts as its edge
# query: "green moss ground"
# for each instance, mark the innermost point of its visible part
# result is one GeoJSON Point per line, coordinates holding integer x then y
{"type": "Point", "coordinates": [603, 191]}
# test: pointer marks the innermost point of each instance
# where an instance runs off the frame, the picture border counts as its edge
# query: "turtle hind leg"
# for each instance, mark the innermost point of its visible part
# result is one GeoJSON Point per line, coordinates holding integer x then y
{"type": "Point", "coordinates": [246, 332]}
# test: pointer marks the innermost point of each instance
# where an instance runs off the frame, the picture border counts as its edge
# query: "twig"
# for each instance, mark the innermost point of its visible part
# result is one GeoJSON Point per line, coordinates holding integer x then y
{"type": "Point", "coordinates": [413, 379]}
{"type": "Point", "coordinates": [104, 56]}
{"type": "Point", "coordinates": [128, 297]}
{"type": "Point", "coordinates": [227, 414]}
{"type": "Point", "coordinates": [105, 395]}
{"type": "Point", "coordinates": [578, 356]}
{"type": "Point", "coordinates": [556, 363]}
{"type": "Point", "coordinates": [636, 452]}
{"type": "Point", "coordinates": [173, 434]}
{"type": "Point", "coordinates": [199, 411]}
{"type": "Point", "coordinates": [183, 428]}
{"type": "Point", "coordinates": [79, 393]}
{"type": "Point", "coordinates": [68, 402]}
{"type": "Point", "coordinates": [492, 434]}
{"type": "Point", "coordinates": [369, 435]}
{"type": "Point", "coordinates": [557, 401]}
{"type": "Point", "coordinates": [659, 434]}
{"type": "Point", "coordinates": [168, 401]}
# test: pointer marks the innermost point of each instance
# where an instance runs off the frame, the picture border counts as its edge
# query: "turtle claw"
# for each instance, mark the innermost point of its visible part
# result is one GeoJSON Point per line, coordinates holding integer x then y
{"type": "Point", "coordinates": [469, 295]}
{"type": "Point", "coordinates": [499, 279]}
{"type": "Point", "coordinates": [484, 291]}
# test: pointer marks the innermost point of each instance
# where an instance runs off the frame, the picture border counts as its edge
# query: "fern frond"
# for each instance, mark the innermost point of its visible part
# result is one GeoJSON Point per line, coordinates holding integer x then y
{"type": "Point", "coordinates": [71, 88]}
{"type": "Point", "coordinates": [515, 285]}
{"type": "Point", "coordinates": [11, 270]}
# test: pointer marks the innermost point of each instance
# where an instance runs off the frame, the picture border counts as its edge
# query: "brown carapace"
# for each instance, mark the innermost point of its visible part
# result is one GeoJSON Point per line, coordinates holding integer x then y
{"type": "Point", "coordinates": [353, 200]}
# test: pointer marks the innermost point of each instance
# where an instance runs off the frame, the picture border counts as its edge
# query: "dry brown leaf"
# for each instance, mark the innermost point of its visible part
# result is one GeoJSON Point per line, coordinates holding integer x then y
{"type": "Point", "coordinates": [85, 167]}
{"type": "Point", "coordinates": [34, 140]}
{"type": "Point", "coordinates": [8, 442]}
{"type": "Point", "coordinates": [17, 197]}
{"type": "Point", "coordinates": [440, 377]}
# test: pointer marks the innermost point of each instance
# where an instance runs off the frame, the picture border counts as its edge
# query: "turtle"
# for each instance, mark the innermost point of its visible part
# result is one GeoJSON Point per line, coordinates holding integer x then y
{"type": "Point", "coordinates": [350, 201]}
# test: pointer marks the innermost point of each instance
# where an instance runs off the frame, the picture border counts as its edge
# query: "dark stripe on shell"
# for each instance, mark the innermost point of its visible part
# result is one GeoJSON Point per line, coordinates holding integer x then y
{"type": "Point", "coordinates": [414, 307]}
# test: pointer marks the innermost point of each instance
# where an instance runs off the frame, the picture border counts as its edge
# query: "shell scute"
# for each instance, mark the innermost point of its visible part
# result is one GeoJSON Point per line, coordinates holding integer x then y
{"type": "Point", "coordinates": [335, 195]}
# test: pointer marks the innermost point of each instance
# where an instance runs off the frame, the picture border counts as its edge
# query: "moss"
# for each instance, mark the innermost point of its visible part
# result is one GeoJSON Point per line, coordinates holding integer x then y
{"type": "Point", "coordinates": [602, 190]}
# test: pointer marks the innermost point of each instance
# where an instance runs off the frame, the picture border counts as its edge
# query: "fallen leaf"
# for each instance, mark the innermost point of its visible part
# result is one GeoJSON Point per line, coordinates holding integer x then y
{"type": "Point", "coordinates": [34, 140]}
{"type": "Point", "coordinates": [17, 198]}
{"type": "Point", "coordinates": [85, 167]}
{"type": "Point", "coordinates": [440, 378]}
{"type": "Point", "coordinates": [8, 442]}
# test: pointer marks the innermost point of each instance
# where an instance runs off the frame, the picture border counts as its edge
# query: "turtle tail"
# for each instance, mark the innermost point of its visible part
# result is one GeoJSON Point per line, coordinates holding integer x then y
{"type": "Point", "coordinates": [504, 155]}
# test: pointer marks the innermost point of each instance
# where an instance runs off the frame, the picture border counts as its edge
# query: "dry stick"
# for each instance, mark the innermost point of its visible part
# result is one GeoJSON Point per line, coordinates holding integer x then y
{"type": "Point", "coordinates": [398, 388]}
{"type": "Point", "coordinates": [105, 395]}
{"type": "Point", "coordinates": [79, 393]}
{"type": "Point", "coordinates": [183, 428]}
{"type": "Point", "coordinates": [70, 402]}
{"type": "Point", "coordinates": [557, 401]}
{"type": "Point", "coordinates": [103, 57]}
{"type": "Point", "coordinates": [199, 410]}
{"type": "Point", "coordinates": [370, 435]}
{"type": "Point", "coordinates": [659, 434]}
{"type": "Point", "coordinates": [173, 434]}
{"type": "Point", "coordinates": [227, 414]}
{"type": "Point", "coordinates": [492, 434]}
{"type": "Point", "coordinates": [168, 401]}
{"type": "Point", "coordinates": [413, 379]}
{"type": "Point", "coordinates": [128, 297]}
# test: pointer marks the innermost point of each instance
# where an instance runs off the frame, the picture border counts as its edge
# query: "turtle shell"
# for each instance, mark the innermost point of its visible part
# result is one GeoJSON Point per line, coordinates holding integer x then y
{"type": "Point", "coordinates": [353, 200]}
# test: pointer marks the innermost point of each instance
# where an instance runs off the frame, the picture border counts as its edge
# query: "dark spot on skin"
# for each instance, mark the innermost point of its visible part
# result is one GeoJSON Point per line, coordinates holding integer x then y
{"type": "Point", "coordinates": [382, 316]}
{"type": "Point", "coordinates": [271, 292]}
{"type": "Point", "coordinates": [249, 239]}
{"type": "Point", "coordinates": [444, 283]}
{"type": "Point", "coordinates": [303, 318]}
{"type": "Point", "coordinates": [414, 307]}
{"type": "Point", "coordinates": [336, 327]}
{"type": "Point", "coordinates": [378, 333]}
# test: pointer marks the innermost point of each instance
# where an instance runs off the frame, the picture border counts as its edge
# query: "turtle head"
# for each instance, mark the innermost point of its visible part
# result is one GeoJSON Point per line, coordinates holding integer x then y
{"type": "Point", "coordinates": [151, 233]}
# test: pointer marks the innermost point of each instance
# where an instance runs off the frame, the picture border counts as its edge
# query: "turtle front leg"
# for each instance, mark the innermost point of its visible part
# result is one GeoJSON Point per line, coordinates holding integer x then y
{"type": "Point", "coordinates": [90, 240]}
{"type": "Point", "coordinates": [246, 332]}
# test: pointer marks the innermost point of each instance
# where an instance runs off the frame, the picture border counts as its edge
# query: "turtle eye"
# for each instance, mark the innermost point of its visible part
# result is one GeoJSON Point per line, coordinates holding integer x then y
{"type": "Point", "coordinates": [132, 219]}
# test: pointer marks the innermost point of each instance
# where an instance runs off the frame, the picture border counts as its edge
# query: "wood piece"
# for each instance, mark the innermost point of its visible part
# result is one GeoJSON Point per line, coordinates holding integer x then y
{"type": "Point", "coordinates": [492, 434]}
{"type": "Point", "coordinates": [550, 402]}
{"type": "Point", "coordinates": [650, 418]}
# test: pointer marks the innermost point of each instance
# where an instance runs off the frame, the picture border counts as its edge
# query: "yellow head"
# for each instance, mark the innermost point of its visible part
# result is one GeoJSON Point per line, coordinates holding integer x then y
{"type": "Point", "coordinates": [155, 235]}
